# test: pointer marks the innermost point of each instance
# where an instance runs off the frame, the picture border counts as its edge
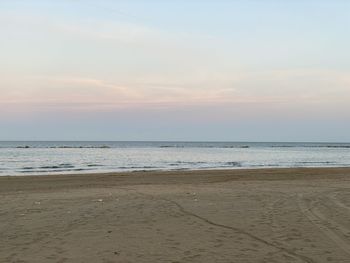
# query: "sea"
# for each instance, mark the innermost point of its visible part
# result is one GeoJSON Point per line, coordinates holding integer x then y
{"type": "Point", "coordinates": [56, 157]}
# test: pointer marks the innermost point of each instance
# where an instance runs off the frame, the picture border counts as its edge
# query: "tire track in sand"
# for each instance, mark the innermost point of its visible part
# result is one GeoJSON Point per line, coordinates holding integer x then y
{"type": "Point", "coordinates": [238, 230]}
{"type": "Point", "coordinates": [235, 229]}
{"type": "Point", "coordinates": [338, 203]}
{"type": "Point", "coordinates": [326, 225]}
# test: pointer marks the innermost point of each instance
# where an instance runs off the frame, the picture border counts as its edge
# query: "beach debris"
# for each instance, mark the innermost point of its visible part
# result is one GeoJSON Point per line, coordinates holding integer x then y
{"type": "Point", "coordinates": [195, 199]}
{"type": "Point", "coordinates": [99, 200]}
{"type": "Point", "coordinates": [37, 203]}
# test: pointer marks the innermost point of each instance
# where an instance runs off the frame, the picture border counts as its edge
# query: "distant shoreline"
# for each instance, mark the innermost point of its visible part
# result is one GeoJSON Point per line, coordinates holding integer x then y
{"type": "Point", "coordinates": [178, 141]}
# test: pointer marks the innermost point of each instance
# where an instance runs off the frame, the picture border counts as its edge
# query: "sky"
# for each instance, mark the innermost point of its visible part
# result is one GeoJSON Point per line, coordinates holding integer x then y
{"type": "Point", "coordinates": [221, 70]}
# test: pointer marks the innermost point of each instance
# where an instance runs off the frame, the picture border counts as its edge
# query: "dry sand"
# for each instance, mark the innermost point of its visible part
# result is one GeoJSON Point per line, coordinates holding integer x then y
{"type": "Point", "coordinates": [271, 215]}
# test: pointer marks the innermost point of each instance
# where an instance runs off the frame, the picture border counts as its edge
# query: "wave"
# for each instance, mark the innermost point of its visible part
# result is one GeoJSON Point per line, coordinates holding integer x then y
{"type": "Point", "coordinates": [59, 166]}
{"type": "Point", "coordinates": [94, 165]}
{"type": "Point", "coordinates": [284, 146]}
{"type": "Point", "coordinates": [206, 164]}
{"type": "Point", "coordinates": [139, 167]}
{"type": "Point", "coordinates": [267, 165]}
{"type": "Point", "coordinates": [188, 162]}
{"type": "Point", "coordinates": [311, 146]}
{"type": "Point", "coordinates": [320, 162]}
{"type": "Point", "coordinates": [184, 145]}
{"type": "Point", "coordinates": [237, 147]}
{"type": "Point", "coordinates": [53, 170]}
{"type": "Point", "coordinates": [172, 146]}
{"type": "Point", "coordinates": [62, 147]}
{"type": "Point", "coordinates": [80, 147]}
{"type": "Point", "coordinates": [194, 164]}
{"type": "Point", "coordinates": [28, 168]}
{"type": "Point", "coordinates": [233, 164]}
{"type": "Point", "coordinates": [334, 146]}
{"type": "Point", "coordinates": [206, 146]}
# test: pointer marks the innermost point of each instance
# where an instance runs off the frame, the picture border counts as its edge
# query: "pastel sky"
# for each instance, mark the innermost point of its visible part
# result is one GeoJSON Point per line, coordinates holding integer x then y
{"type": "Point", "coordinates": [235, 70]}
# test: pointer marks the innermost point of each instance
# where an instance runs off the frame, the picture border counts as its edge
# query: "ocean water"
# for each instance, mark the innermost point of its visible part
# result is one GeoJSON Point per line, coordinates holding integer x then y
{"type": "Point", "coordinates": [28, 158]}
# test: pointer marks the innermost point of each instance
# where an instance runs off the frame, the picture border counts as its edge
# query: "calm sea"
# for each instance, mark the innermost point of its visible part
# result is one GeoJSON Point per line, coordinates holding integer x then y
{"type": "Point", "coordinates": [21, 158]}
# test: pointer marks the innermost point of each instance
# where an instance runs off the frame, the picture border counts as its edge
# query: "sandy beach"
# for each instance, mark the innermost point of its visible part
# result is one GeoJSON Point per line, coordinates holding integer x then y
{"type": "Point", "coordinates": [266, 215]}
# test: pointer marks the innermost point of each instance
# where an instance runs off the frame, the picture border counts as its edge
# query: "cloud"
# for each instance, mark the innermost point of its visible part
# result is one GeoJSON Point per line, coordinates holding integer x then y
{"type": "Point", "coordinates": [302, 84]}
{"type": "Point", "coordinates": [77, 90]}
{"type": "Point", "coordinates": [291, 88]}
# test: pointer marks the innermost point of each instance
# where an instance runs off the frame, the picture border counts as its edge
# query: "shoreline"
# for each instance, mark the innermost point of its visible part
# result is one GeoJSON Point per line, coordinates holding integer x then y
{"type": "Point", "coordinates": [171, 171]}
{"type": "Point", "coordinates": [169, 177]}
{"type": "Point", "coordinates": [220, 169]}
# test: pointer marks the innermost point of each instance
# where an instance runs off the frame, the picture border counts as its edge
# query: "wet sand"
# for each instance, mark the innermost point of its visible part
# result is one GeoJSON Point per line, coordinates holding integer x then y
{"type": "Point", "coordinates": [269, 215]}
